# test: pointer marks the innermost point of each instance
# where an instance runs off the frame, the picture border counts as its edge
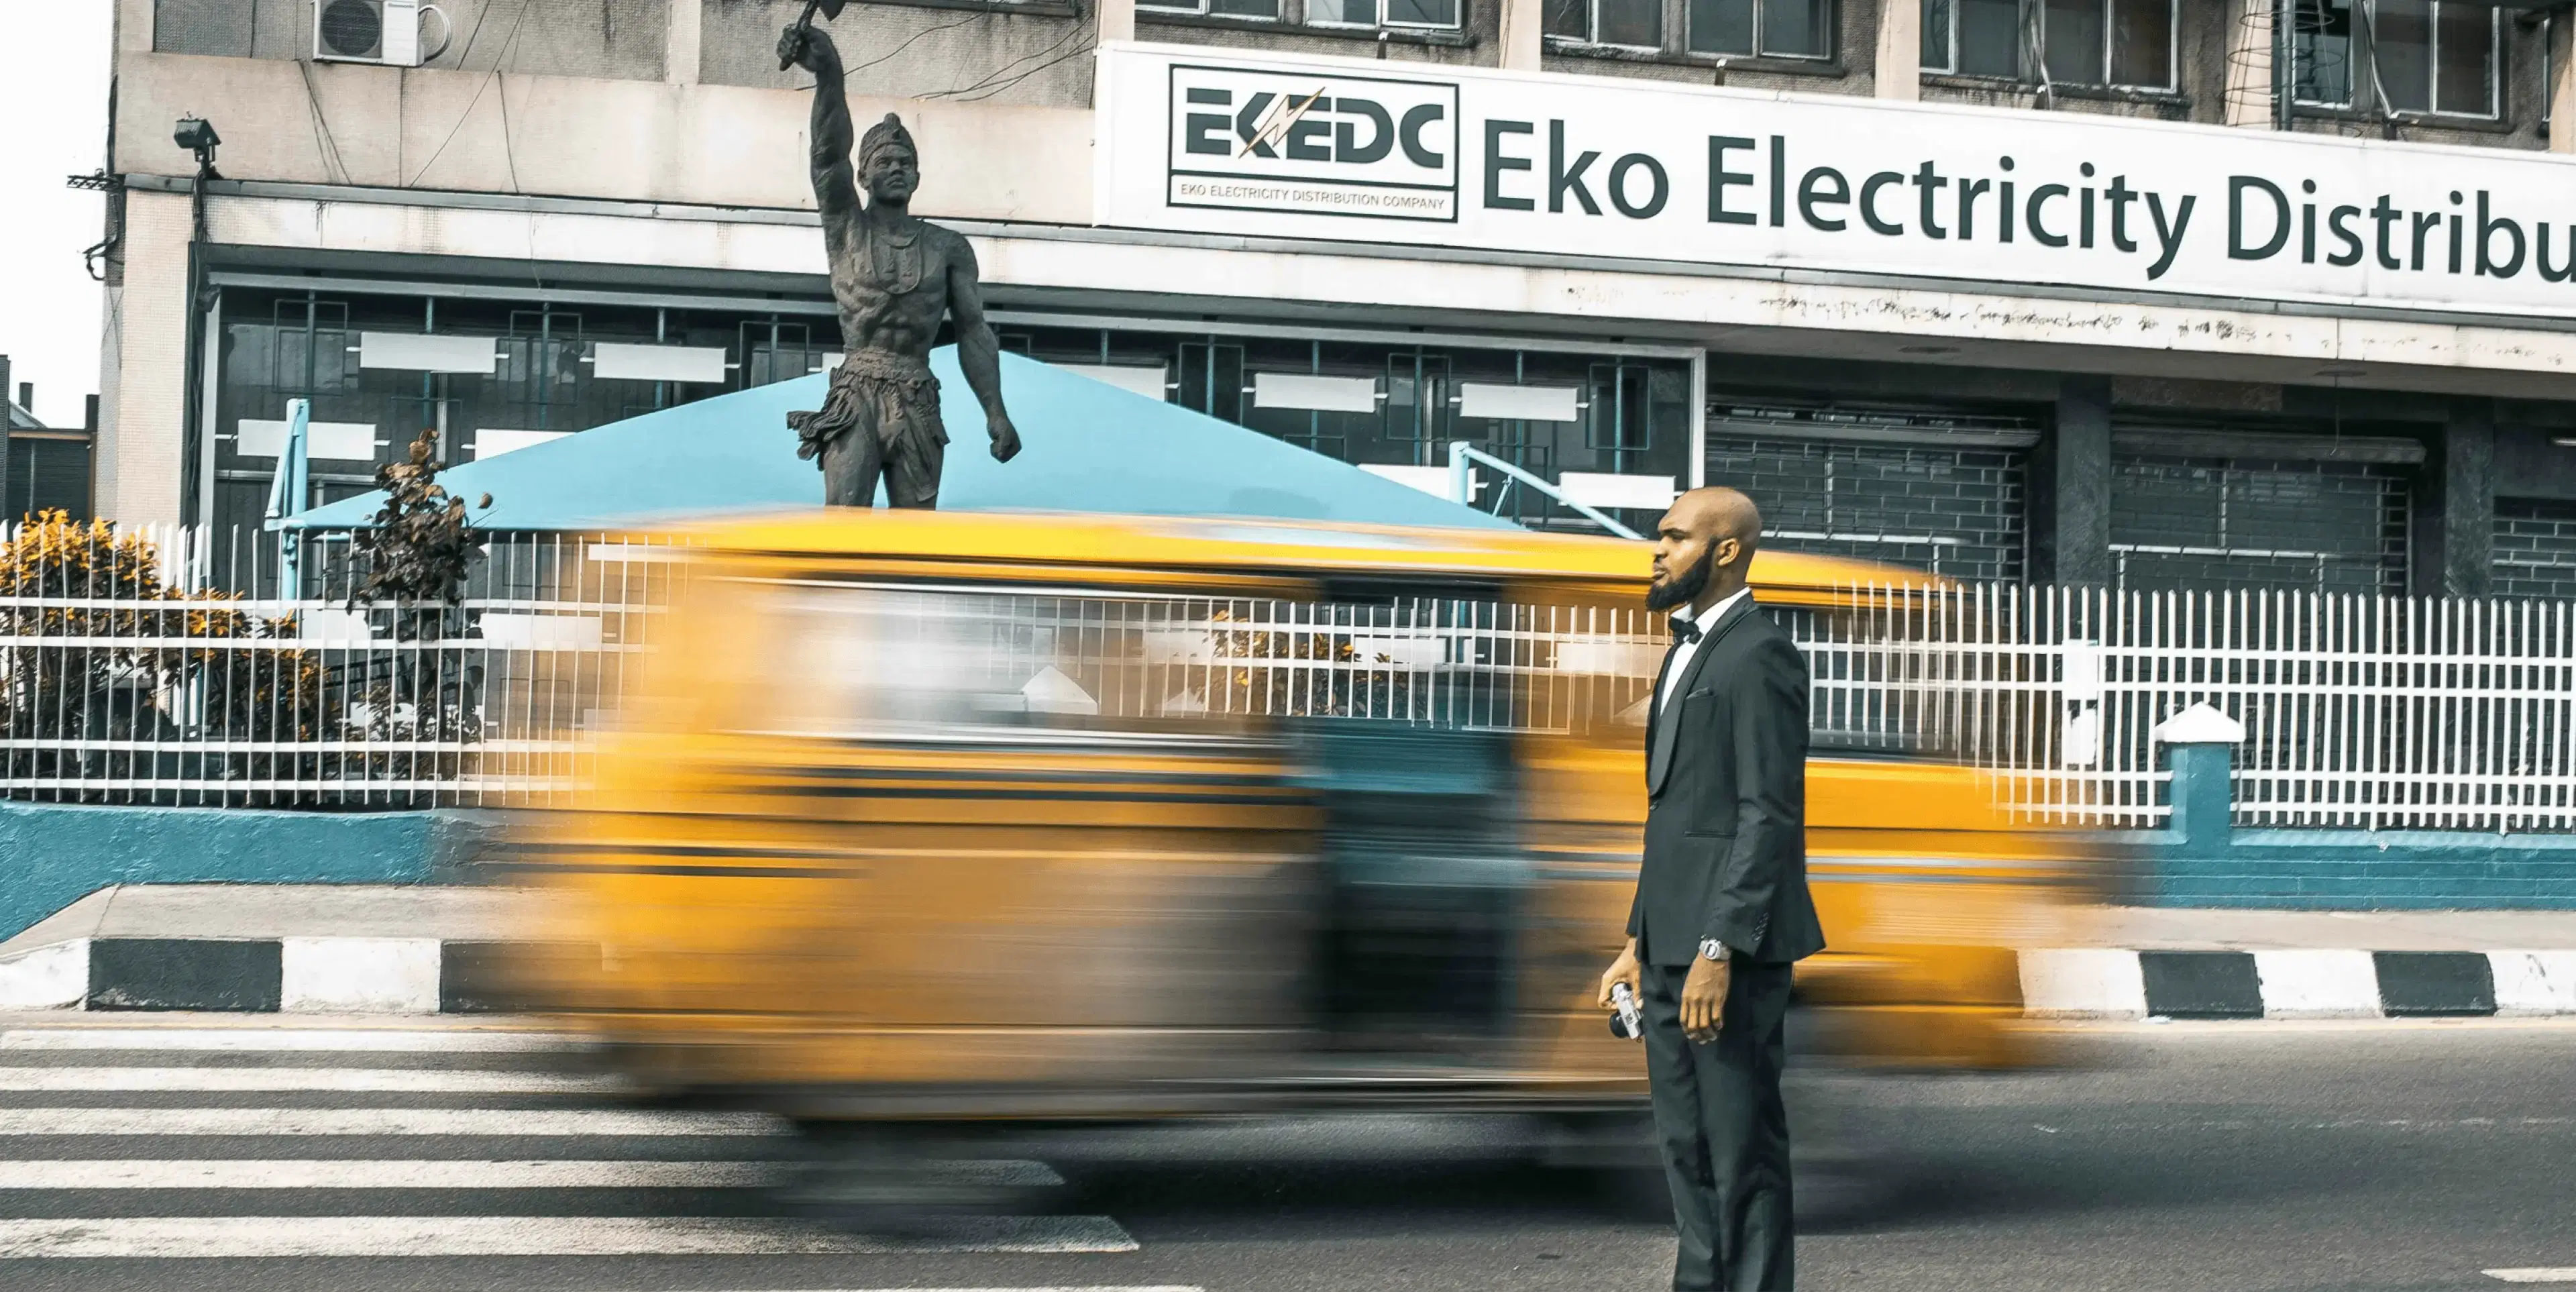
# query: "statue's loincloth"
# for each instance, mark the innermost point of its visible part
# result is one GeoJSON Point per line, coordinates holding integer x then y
{"type": "Point", "coordinates": [890, 397]}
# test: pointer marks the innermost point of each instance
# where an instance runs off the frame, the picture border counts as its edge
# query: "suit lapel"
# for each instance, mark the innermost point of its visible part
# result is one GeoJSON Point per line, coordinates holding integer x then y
{"type": "Point", "coordinates": [1662, 736]}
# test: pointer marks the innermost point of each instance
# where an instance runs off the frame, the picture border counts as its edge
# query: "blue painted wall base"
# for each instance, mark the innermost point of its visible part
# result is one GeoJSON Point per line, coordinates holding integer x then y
{"type": "Point", "coordinates": [2205, 861]}
{"type": "Point", "coordinates": [52, 855]}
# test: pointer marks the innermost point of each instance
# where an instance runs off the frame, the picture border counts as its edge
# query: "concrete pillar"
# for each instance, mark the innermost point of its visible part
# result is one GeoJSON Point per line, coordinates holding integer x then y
{"type": "Point", "coordinates": [2562, 82]}
{"type": "Point", "coordinates": [134, 20]}
{"type": "Point", "coordinates": [2200, 746]}
{"type": "Point", "coordinates": [1899, 70]}
{"type": "Point", "coordinates": [2250, 83]}
{"type": "Point", "coordinates": [1117, 19]}
{"type": "Point", "coordinates": [144, 418]}
{"type": "Point", "coordinates": [2454, 530]}
{"type": "Point", "coordinates": [1521, 44]}
{"type": "Point", "coordinates": [680, 42]}
{"type": "Point", "coordinates": [2070, 482]}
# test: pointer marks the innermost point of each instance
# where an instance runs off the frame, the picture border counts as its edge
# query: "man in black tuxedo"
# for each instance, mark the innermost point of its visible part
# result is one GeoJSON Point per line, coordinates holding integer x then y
{"type": "Point", "coordinates": [1722, 909]}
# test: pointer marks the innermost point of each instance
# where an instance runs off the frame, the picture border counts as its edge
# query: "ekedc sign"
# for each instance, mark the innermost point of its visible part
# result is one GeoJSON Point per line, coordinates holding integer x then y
{"type": "Point", "coordinates": [1596, 167]}
{"type": "Point", "coordinates": [1259, 140]}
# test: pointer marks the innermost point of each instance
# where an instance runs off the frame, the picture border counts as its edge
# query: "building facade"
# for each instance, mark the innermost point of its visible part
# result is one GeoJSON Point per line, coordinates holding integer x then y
{"type": "Point", "coordinates": [2146, 293]}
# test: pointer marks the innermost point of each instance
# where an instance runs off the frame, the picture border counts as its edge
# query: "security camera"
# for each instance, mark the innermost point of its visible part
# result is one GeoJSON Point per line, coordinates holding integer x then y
{"type": "Point", "coordinates": [197, 135]}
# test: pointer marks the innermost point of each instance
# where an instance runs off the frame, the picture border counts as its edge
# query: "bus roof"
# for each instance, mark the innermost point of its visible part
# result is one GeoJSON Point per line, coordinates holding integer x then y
{"type": "Point", "coordinates": [1215, 544]}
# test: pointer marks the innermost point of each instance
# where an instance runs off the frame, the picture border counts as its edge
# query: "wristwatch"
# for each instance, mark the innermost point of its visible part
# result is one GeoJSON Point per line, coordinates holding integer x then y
{"type": "Point", "coordinates": [1712, 949]}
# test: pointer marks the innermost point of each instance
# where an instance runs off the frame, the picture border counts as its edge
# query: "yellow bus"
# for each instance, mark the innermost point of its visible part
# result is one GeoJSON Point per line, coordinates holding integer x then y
{"type": "Point", "coordinates": [932, 818]}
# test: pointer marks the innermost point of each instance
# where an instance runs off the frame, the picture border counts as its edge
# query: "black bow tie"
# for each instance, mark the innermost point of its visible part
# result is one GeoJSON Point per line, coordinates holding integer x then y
{"type": "Point", "coordinates": [1684, 630]}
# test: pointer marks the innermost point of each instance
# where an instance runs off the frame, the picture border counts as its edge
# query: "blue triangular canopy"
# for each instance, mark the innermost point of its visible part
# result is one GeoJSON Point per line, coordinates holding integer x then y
{"type": "Point", "coordinates": [1087, 446]}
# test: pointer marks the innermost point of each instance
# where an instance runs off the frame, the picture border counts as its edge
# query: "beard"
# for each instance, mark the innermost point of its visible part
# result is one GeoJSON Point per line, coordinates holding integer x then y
{"type": "Point", "coordinates": [1686, 585]}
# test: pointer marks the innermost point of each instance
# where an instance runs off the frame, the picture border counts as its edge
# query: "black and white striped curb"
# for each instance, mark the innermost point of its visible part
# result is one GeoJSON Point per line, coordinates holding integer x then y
{"type": "Point", "coordinates": [2094, 983]}
{"type": "Point", "coordinates": [430, 975]}
{"type": "Point", "coordinates": [270, 975]}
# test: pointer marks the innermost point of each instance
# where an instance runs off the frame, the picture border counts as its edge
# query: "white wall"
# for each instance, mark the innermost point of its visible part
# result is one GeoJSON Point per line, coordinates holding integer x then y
{"type": "Point", "coordinates": [645, 141]}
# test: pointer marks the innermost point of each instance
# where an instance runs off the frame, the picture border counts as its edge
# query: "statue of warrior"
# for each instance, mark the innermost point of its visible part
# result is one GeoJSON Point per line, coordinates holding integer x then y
{"type": "Point", "coordinates": [893, 276]}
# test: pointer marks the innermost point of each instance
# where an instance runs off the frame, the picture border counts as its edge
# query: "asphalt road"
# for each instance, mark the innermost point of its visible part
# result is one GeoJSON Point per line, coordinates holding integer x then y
{"type": "Point", "coordinates": [2216, 1156]}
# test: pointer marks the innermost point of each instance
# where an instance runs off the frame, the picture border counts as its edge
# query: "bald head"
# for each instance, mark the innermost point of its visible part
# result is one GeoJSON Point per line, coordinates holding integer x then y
{"type": "Point", "coordinates": [1703, 547]}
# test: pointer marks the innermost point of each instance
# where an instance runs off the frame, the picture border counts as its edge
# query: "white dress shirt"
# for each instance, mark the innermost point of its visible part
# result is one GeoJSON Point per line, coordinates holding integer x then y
{"type": "Point", "coordinates": [1682, 653]}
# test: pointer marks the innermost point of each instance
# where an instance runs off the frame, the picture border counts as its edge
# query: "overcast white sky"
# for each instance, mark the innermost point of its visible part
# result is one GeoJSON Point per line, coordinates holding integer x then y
{"type": "Point", "coordinates": [53, 123]}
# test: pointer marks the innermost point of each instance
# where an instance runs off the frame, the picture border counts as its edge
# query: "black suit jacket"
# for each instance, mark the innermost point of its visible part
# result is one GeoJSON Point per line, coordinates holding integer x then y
{"type": "Point", "coordinates": [1726, 802]}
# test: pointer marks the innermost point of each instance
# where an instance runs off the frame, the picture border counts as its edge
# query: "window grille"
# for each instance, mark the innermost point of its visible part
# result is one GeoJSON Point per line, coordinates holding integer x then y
{"type": "Point", "coordinates": [2396, 56]}
{"type": "Point", "coordinates": [1628, 24]}
{"type": "Point", "coordinates": [2249, 523]}
{"type": "Point", "coordinates": [1769, 28]}
{"type": "Point", "coordinates": [2127, 44]}
{"type": "Point", "coordinates": [1958, 512]}
{"type": "Point", "coordinates": [2534, 554]}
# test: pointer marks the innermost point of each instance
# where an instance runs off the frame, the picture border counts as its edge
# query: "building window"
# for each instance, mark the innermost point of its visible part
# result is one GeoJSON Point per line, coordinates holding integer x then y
{"type": "Point", "coordinates": [2535, 548]}
{"type": "Point", "coordinates": [1263, 10]}
{"type": "Point", "coordinates": [1438, 15]}
{"type": "Point", "coordinates": [1938, 489]}
{"type": "Point", "coordinates": [1769, 28]}
{"type": "Point", "coordinates": [2410, 56]}
{"type": "Point", "coordinates": [2128, 44]}
{"type": "Point", "coordinates": [2188, 522]}
{"type": "Point", "coordinates": [1634, 24]}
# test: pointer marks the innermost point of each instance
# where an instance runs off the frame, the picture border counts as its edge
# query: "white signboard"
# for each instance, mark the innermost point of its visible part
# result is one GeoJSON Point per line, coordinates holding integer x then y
{"type": "Point", "coordinates": [1234, 142]}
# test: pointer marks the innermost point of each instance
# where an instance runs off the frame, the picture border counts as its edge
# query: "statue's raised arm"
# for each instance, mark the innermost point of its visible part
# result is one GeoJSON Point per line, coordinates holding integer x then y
{"type": "Point", "coordinates": [836, 192]}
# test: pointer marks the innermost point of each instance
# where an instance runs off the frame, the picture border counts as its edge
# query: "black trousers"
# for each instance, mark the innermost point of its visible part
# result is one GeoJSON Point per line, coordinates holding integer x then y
{"type": "Point", "coordinates": [1724, 1131]}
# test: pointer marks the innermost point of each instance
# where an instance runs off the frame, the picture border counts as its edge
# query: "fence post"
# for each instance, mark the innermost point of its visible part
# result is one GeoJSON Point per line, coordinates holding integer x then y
{"type": "Point", "coordinates": [2201, 743]}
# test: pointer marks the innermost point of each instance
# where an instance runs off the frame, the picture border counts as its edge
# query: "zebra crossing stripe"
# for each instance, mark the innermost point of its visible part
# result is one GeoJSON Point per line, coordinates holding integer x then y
{"type": "Point", "coordinates": [499, 1122]}
{"type": "Point", "coordinates": [302, 1173]}
{"type": "Point", "coordinates": [265, 1237]}
{"type": "Point", "coordinates": [235, 1173]}
{"type": "Point", "coordinates": [349, 1080]}
{"type": "Point", "coordinates": [269, 1035]}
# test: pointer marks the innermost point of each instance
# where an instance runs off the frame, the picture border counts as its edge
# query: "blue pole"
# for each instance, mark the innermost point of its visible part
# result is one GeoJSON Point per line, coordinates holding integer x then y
{"type": "Point", "coordinates": [287, 494]}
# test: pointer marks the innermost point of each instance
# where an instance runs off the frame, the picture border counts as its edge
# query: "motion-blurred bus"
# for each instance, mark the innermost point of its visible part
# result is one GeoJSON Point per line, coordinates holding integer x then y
{"type": "Point", "coordinates": [937, 820]}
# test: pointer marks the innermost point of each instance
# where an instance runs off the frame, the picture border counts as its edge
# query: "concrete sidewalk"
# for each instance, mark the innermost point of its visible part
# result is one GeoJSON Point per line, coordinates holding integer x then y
{"type": "Point", "coordinates": [255, 911]}
{"type": "Point", "coordinates": [2171, 962]}
{"type": "Point", "coordinates": [2142, 928]}
{"type": "Point", "coordinates": [264, 948]}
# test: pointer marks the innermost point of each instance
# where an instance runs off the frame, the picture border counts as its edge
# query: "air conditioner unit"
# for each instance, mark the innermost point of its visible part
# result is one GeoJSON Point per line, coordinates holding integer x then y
{"type": "Point", "coordinates": [373, 31]}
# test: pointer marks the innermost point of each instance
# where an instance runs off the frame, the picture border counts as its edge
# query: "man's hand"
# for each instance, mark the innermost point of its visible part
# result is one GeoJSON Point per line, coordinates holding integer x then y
{"type": "Point", "coordinates": [808, 48]}
{"type": "Point", "coordinates": [1006, 437]}
{"type": "Point", "coordinates": [1623, 969]}
{"type": "Point", "coordinates": [1704, 999]}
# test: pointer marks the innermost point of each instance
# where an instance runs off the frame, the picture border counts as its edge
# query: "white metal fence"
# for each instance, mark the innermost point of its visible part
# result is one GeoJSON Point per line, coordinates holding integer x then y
{"type": "Point", "coordinates": [156, 667]}
{"type": "Point", "coordinates": [159, 666]}
{"type": "Point", "coordinates": [2359, 710]}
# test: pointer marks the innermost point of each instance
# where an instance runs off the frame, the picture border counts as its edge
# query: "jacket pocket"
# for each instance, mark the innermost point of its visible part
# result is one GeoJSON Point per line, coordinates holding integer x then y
{"type": "Point", "coordinates": [1727, 836]}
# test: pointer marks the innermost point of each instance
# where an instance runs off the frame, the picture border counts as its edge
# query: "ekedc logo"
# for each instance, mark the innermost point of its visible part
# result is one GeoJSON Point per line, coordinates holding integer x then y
{"type": "Point", "coordinates": [1326, 145]}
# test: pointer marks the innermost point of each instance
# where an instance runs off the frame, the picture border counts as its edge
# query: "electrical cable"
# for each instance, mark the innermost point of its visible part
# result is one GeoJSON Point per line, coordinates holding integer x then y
{"type": "Point", "coordinates": [468, 113]}
{"type": "Point", "coordinates": [908, 40]}
{"type": "Point", "coordinates": [325, 143]}
{"type": "Point", "coordinates": [993, 82]}
{"type": "Point", "coordinates": [1067, 56]}
{"type": "Point", "coordinates": [997, 73]}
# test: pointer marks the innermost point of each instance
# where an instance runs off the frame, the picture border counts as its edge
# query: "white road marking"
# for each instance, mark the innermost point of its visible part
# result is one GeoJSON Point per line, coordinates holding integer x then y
{"type": "Point", "coordinates": [378, 1121]}
{"type": "Point", "coordinates": [409, 1173]}
{"type": "Point", "coordinates": [450, 1040]}
{"type": "Point", "coordinates": [2536, 1274]}
{"type": "Point", "coordinates": [370, 1236]}
{"type": "Point", "coordinates": [365, 1080]}
{"type": "Point", "coordinates": [229, 1173]}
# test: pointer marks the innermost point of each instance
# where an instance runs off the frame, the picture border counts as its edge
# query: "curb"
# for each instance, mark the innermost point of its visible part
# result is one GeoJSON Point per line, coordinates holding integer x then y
{"type": "Point", "coordinates": [270, 975]}
{"type": "Point", "coordinates": [2093, 983]}
{"type": "Point", "coordinates": [449, 976]}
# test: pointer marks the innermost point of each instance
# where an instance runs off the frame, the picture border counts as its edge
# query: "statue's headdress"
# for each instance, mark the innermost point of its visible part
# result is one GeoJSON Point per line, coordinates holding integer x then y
{"type": "Point", "coordinates": [883, 134]}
